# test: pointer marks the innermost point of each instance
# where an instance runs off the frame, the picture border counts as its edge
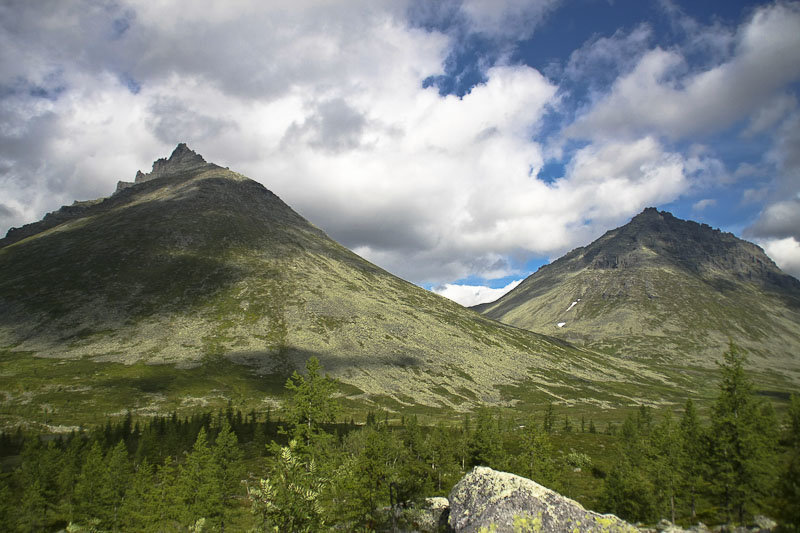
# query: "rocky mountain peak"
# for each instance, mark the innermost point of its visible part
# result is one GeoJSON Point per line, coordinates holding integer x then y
{"type": "Point", "coordinates": [182, 159]}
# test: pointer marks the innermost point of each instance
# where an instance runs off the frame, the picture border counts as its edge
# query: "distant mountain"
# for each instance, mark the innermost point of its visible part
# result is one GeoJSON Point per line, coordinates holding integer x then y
{"type": "Point", "coordinates": [193, 262]}
{"type": "Point", "coordinates": [664, 288]}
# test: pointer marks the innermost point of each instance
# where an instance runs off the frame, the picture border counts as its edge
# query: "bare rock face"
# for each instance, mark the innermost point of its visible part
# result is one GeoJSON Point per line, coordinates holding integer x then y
{"type": "Point", "coordinates": [489, 500]}
{"type": "Point", "coordinates": [122, 185]}
{"type": "Point", "coordinates": [183, 159]}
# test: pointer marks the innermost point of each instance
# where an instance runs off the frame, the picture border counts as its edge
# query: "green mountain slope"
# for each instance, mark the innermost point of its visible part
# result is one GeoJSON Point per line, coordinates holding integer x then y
{"type": "Point", "coordinates": [197, 268]}
{"type": "Point", "coordinates": [661, 288]}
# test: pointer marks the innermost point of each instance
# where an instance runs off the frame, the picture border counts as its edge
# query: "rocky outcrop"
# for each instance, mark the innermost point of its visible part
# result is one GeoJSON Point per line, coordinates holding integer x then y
{"type": "Point", "coordinates": [50, 220]}
{"type": "Point", "coordinates": [183, 159]}
{"type": "Point", "coordinates": [488, 500]}
{"type": "Point", "coordinates": [121, 185]}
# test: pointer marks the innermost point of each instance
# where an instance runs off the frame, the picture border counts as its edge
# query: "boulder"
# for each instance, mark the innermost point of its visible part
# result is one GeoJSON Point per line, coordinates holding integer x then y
{"type": "Point", "coordinates": [488, 500]}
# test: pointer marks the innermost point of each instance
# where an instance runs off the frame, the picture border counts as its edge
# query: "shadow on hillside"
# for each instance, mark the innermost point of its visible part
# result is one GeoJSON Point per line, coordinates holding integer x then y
{"type": "Point", "coordinates": [294, 358]}
{"type": "Point", "coordinates": [131, 256]}
{"type": "Point", "coordinates": [250, 372]}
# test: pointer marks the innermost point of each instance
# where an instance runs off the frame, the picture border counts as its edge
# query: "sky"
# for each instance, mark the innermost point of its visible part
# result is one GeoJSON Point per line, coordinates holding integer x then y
{"type": "Point", "coordinates": [459, 144]}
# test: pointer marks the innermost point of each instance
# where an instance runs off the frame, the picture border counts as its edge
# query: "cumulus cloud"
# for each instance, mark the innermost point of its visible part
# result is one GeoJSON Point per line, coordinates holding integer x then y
{"type": "Point", "coordinates": [327, 105]}
{"type": "Point", "coordinates": [432, 187]}
{"type": "Point", "coordinates": [469, 295]}
{"type": "Point", "coordinates": [662, 94]}
{"type": "Point", "coordinates": [786, 254]}
{"type": "Point", "coordinates": [780, 217]}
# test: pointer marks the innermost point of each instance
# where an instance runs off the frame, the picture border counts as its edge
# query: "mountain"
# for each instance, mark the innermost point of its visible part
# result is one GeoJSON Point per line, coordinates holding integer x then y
{"type": "Point", "coordinates": [194, 283]}
{"type": "Point", "coordinates": [664, 288]}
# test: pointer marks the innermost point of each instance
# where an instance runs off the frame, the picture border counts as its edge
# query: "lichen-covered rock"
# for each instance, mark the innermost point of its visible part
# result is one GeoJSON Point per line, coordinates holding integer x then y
{"type": "Point", "coordinates": [488, 500]}
{"type": "Point", "coordinates": [429, 516]}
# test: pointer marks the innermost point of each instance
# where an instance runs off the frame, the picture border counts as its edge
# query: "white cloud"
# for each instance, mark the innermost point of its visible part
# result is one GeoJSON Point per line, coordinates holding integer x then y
{"type": "Point", "coordinates": [771, 113]}
{"type": "Point", "coordinates": [779, 219]}
{"type": "Point", "coordinates": [431, 187]}
{"type": "Point", "coordinates": [469, 295]}
{"type": "Point", "coordinates": [601, 59]}
{"type": "Point", "coordinates": [786, 254]}
{"type": "Point", "coordinates": [700, 205]}
{"type": "Point", "coordinates": [514, 19]}
{"type": "Point", "coordinates": [662, 94]}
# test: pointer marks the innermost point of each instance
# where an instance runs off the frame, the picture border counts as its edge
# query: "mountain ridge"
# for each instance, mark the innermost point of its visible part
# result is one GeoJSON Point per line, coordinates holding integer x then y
{"type": "Point", "coordinates": [662, 286]}
{"type": "Point", "coordinates": [199, 263]}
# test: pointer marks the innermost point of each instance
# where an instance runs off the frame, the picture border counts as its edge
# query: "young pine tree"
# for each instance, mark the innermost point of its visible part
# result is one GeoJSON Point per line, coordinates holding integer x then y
{"type": "Point", "coordinates": [628, 489]}
{"type": "Point", "coordinates": [549, 418]}
{"type": "Point", "coordinates": [535, 460]}
{"type": "Point", "coordinates": [485, 444]}
{"type": "Point", "coordinates": [789, 481]}
{"type": "Point", "coordinates": [118, 475]}
{"type": "Point", "coordinates": [228, 458]}
{"type": "Point", "coordinates": [94, 489]}
{"type": "Point", "coordinates": [665, 463]}
{"type": "Point", "coordinates": [693, 457]}
{"type": "Point", "coordinates": [743, 437]}
{"type": "Point", "coordinates": [139, 511]}
{"type": "Point", "coordinates": [198, 483]}
{"type": "Point", "coordinates": [311, 404]}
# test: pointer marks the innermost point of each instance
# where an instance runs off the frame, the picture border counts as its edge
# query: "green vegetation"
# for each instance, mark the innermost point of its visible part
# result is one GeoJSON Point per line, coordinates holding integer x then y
{"type": "Point", "coordinates": [306, 472]}
{"type": "Point", "coordinates": [64, 394]}
{"type": "Point", "coordinates": [205, 267]}
{"type": "Point", "coordinates": [723, 472]}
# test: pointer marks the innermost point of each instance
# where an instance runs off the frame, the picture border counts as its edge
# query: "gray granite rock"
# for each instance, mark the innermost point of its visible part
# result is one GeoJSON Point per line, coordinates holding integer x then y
{"type": "Point", "coordinates": [492, 501]}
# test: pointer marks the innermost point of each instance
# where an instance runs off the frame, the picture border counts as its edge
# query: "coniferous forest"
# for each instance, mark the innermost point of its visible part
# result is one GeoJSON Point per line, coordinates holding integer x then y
{"type": "Point", "coordinates": [308, 467]}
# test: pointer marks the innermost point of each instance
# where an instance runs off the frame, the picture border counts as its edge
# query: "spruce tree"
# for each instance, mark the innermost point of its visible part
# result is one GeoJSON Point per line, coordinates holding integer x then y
{"type": "Point", "coordinates": [139, 511]}
{"type": "Point", "coordinates": [665, 463]}
{"type": "Point", "coordinates": [693, 457]}
{"type": "Point", "coordinates": [789, 482]}
{"type": "Point", "coordinates": [32, 514]}
{"type": "Point", "coordinates": [311, 404]}
{"type": "Point", "coordinates": [197, 486]}
{"type": "Point", "coordinates": [535, 460]}
{"type": "Point", "coordinates": [549, 418]}
{"type": "Point", "coordinates": [362, 483]}
{"type": "Point", "coordinates": [485, 448]}
{"type": "Point", "coordinates": [742, 441]}
{"type": "Point", "coordinates": [94, 489]}
{"type": "Point", "coordinates": [228, 458]}
{"type": "Point", "coordinates": [628, 489]}
{"type": "Point", "coordinates": [444, 456]}
{"type": "Point", "coordinates": [37, 476]}
{"type": "Point", "coordinates": [117, 475]}
{"type": "Point", "coordinates": [69, 470]}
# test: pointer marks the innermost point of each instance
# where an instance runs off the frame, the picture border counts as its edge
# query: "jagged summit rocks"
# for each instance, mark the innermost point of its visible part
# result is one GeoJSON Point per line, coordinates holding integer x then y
{"type": "Point", "coordinates": [182, 159]}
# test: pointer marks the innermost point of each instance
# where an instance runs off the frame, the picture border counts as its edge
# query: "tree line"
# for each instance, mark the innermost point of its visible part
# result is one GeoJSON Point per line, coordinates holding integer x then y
{"type": "Point", "coordinates": [310, 471]}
